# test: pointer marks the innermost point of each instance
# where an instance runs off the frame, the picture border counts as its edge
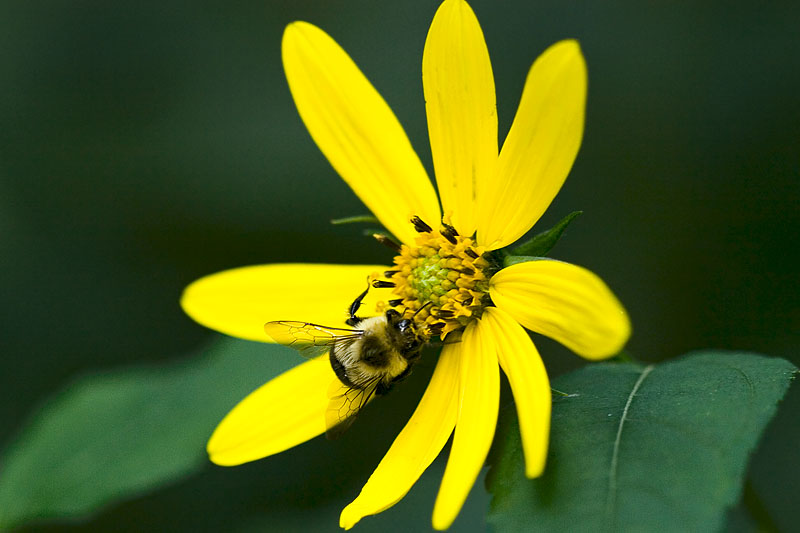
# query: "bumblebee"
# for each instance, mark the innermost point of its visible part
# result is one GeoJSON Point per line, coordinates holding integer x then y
{"type": "Point", "coordinates": [368, 360]}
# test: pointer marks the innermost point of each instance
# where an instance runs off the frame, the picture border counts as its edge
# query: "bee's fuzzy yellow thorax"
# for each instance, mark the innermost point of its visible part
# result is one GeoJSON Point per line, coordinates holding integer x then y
{"type": "Point", "coordinates": [446, 273]}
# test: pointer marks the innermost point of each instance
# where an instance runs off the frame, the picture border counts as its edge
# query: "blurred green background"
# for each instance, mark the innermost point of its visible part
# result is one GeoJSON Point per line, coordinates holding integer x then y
{"type": "Point", "coordinates": [147, 144]}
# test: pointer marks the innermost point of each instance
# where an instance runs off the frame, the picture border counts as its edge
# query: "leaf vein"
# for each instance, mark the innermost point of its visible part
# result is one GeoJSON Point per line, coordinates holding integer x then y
{"type": "Point", "coordinates": [612, 475]}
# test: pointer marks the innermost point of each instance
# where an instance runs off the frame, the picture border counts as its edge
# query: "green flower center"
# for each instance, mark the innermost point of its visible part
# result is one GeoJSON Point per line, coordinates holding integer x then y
{"type": "Point", "coordinates": [429, 279]}
{"type": "Point", "coordinates": [443, 277]}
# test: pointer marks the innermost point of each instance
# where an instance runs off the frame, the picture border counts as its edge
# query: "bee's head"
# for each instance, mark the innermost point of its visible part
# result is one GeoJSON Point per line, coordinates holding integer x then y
{"type": "Point", "coordinates": [401, 324]}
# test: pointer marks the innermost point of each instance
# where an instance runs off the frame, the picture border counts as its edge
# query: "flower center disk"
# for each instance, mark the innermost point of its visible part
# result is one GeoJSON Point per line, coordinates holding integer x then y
{"type": "Point", "coordinates": [443, 277]}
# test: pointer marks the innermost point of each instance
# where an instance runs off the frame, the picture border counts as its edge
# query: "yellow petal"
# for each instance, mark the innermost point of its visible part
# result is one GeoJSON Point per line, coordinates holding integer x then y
{"type": "Point", "coordinates": [540, 147]}
{"type": "Point", "coordinates": [527, 376]}
{"type": "Point", "coordinates": [565, 302]}
{"type": "Point", "coordinates": [416, 446]}
{"type": "Point", "coordinates": [462, 115]}
{"type": "Point", "coordinates": [479, 397]}
{"type": "Point", "coordinates": [357, 131]}
{"type": "Point", "coordinates": [284, 412]}
{"type": "Point", "coordinates": [240, 301]}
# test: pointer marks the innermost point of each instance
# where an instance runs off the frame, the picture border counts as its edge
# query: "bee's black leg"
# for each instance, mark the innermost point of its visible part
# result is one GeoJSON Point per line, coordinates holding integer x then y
{"type": "Point", "coordinates": [384, 388]}
{"type": "Point", "coordinates": [353, 320]}
{"type": "Point", "coordinates": [402, 375]}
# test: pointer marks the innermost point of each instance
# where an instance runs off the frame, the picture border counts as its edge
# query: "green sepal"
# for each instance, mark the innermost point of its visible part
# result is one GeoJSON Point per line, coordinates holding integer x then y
{"type": "Point", "coordinates": [366, 219]}
{"type": "Point", "coordinates": [514, 259]}
{"type": "Point", "coordinates": [542, 243]}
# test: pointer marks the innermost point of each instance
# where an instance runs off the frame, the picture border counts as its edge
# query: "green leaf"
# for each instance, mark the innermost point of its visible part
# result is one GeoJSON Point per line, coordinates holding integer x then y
{"type": "Point", "coordinates": [656, 448]}
{"type": "Point", "coordinates": [116, 435]}
{"type": "Point", "coordinates": [542, 243]}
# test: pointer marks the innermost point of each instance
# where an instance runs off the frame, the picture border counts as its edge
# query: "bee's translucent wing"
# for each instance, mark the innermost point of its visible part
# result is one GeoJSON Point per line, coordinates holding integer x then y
{"type": "Point", "coordinates": [343, 406]}
{"type": "Point", "coordinates": [309, 339]}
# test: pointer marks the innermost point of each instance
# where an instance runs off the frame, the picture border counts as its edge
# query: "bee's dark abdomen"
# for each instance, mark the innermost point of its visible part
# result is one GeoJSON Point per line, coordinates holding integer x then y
{"type": "Point", "coordinates": [373, 352]}
{"type": "Point", "coordinates": [339, 370]}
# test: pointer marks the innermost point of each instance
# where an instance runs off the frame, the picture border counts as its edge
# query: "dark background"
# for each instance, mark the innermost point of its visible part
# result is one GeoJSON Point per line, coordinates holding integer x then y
{"type": "Point", "coordinates": [146, 144]}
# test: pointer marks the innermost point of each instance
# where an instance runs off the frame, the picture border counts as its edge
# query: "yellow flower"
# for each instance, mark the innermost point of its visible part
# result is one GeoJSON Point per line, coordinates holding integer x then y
{"type": "Point", "coordinates": [490, 200]}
